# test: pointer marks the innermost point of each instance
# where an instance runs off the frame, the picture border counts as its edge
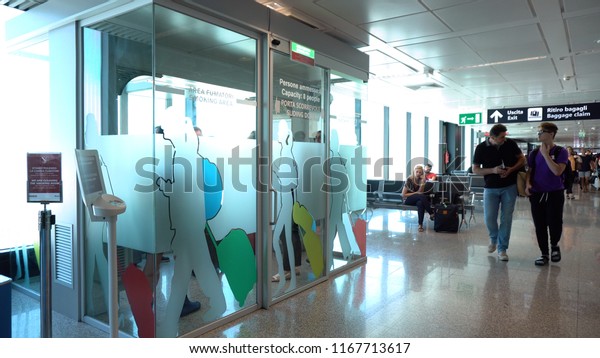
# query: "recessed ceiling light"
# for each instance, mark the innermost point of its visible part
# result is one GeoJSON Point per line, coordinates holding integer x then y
{"type": "Point", "coordinates": [273, 5]}
{"type": "Point", "coordinates": [495, 63]}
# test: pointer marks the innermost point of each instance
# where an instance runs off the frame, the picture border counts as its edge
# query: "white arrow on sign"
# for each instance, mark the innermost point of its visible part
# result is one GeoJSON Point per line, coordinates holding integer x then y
{"type": "Point", "coordinates": [496, 115]}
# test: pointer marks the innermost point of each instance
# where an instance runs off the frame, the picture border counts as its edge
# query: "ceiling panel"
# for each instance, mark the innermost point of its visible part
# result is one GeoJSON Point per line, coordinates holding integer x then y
{"type": "Point", "coordinates": [527, 70]}
{"type": "Point", "coordinates": [577, 5]}
{"type": "Point", "coordinates": [475, 76]}
{"type": "Point", "coordinates": [484, 14]}
{"type": "Point", "coordinates": [377, 58]}
{"type": "Point", "coordinates": [584, 32]}
{"type": "Point", "coordinates": [587, 64]}
{"type": "Point", "coordinates": [540, 85]}
{"type": "Point", "coordinates": [445, 63]}
{"type": "Point", "coordinates": [589, 83]}
{"type": "Point", "coordinates": [495, 90]}
{"type": "Point", "coordinates": [406, 27]}
{"type": "Point", "coordinates": [517, 52]}
{"type": "Point", "coordinates": [362, 12]}
{"type": "Point", "coordinates": [435, 48]}
{"type": "Point", "coordinates": [502, 40]}
{"type": "Point", "coordinates": [452, 95]}
{"type": "Point", "coordinates": [508, 44]}
{"type": "Point", "coordinates": [391, 70]}
{"type": "Point", "coordinates": [440, 4]}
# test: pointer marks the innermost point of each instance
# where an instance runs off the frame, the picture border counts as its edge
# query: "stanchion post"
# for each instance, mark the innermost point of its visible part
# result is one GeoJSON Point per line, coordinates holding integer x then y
{"type": "Point", "coordinates": [113, 291]}
{"type": "Point", "coordinates": [45, 222]}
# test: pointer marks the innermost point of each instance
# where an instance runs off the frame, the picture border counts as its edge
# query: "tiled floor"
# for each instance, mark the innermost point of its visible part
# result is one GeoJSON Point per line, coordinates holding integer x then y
{"type": "Point", "coordinates": [432, 285]}
{"type": "Point", "coordinates": [26, 321]}
{"type": "Point", "coordinates": [447, 285]}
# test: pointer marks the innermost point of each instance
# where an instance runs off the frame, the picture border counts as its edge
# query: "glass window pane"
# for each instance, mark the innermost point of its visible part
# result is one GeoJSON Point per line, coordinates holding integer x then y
{"type": "Point", "coordinates": [372, 134]}
{"type": "Point", "coordinates": [25, 111]}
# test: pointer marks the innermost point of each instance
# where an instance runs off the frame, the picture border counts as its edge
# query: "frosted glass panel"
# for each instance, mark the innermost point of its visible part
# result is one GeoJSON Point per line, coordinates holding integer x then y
{"type": "Point", "coordinates": [171, 111]}
{"type": "Point", "coordinates": [311, 179]}
{"type": "Point", "coordinates": [239, 184]}
{"type": "Point", "coordinates": [357, 174]}
{"type": "Point", "coordinates": [137, 224]}
{"type": "Point", "coordinates": [298, 175]}
{"type": "Point", "coordinates": [348, 167]}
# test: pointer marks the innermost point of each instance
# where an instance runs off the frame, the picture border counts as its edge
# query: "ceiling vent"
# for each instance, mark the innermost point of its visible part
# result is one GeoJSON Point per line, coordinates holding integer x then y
{"type": "Point", "coordinates": [306, 19]}
{"type": "Point", "coordinates": [22, 5]}
{"type": "Point", "coordinates": [292, 13]}
{"type": "Point", "coordinates": [292, 16]}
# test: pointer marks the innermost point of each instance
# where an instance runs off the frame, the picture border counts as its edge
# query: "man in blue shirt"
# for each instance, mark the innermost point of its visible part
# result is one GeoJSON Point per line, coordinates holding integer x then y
{"type": "Point", "coordinates": [498, 159]}
{"type": "Point", "coordinates": [545, 188]}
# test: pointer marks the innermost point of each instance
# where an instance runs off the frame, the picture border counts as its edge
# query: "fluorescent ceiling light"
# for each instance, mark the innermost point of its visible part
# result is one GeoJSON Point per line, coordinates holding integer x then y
{"type": "Point", "coordinates": [273, 5]}
{"type": "Point", "coordinates": [495, 63]}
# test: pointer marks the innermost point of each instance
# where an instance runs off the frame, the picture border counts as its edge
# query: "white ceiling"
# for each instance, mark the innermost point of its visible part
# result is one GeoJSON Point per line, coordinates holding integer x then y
{"type": "Point", "coordinates": [462, 54]}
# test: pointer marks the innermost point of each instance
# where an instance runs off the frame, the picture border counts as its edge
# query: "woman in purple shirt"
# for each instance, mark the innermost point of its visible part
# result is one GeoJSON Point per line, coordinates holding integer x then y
{"type": "Point", "coordinates": [545, 188]}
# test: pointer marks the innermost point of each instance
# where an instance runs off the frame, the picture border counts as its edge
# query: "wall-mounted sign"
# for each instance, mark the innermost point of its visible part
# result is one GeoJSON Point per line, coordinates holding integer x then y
{"type": "Point", "coordinates": [44, 178]}
{"type": "Point", "coordinates": [566, 112]}
{"type": "Point", "coordinates": [469, 118]}
{"type": "Point", "coordinates": [302, 54]}
{"type": "Point", "coordinates": [296, 98]}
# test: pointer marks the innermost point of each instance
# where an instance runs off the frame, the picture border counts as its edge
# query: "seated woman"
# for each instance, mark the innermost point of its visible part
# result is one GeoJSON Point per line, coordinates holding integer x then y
{"type": "Point", "coordinates": [414, 194]}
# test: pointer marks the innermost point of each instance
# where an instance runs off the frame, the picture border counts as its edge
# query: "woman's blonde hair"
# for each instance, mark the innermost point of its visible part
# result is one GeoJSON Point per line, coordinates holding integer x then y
{"type": "Point", "coordinates": [418, 166]}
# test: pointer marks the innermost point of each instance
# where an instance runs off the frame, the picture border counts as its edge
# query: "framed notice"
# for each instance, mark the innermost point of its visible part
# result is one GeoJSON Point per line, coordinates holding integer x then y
{"type": "Point", "coordinates": [44, 178]}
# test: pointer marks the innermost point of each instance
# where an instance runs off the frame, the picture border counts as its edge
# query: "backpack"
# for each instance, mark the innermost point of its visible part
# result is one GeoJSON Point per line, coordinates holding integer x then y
{"type": "Point", "coordinates": [566, 174]}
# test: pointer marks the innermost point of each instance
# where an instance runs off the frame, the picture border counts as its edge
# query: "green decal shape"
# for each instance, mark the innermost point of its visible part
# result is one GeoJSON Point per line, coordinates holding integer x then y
{"type": "Point", "coordinates": [237, 262]}
{"type": "Point", "coordinates": [36, 249]}
{"type": "Point", "coordinates": [312, 244]}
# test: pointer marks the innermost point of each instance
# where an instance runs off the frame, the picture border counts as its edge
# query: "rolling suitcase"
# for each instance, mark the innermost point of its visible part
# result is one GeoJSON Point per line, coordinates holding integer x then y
{"type": "Point", "coordinates": [446, 218]}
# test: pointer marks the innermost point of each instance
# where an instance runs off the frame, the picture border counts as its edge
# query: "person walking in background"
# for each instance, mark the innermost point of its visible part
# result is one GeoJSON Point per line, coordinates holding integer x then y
{"type": "Point", "coordinates": [429, 175]}
{"type": "Point", "coordinates": [596, 168]}
{"type": "Point", "coordinates": [545, 189]}
{"type": "Point", "coordinates": [571, 179]}
{"type": "Point", "coordinates": [499, 160]}
{"type": "Point", "coordinates": [586, 168]}
{"type": "Point", "coordinates": [318, 137]}
{"type": "Point", "coordinates": [413, 193]}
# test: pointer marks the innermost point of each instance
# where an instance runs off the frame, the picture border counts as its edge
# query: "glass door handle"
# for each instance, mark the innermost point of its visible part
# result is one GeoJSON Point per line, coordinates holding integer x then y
{"type": "Point", "coordinates": [273, 221]}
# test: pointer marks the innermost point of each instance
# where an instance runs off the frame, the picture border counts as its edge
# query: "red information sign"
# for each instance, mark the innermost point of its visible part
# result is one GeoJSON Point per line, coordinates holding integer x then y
{"type": "Point", "coordinates": [44, 178]}
{"type": "Point", "coordinates": [302, 53]}
{"type": "Point", "coordinates": [304, 59]}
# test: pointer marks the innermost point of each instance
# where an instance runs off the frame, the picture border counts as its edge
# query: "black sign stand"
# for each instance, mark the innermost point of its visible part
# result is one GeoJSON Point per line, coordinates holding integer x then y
{"type": "Point", "coordinates": [44, 185]}
{"type": "Point", "coordinates": [45, 222]}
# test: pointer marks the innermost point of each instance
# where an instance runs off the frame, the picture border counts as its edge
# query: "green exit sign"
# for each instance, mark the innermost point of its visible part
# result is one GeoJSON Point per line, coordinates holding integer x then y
{"type": "Point", "coordinates": [302, 54]}
{"type": "Point", "coordinates": [469, 118]}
